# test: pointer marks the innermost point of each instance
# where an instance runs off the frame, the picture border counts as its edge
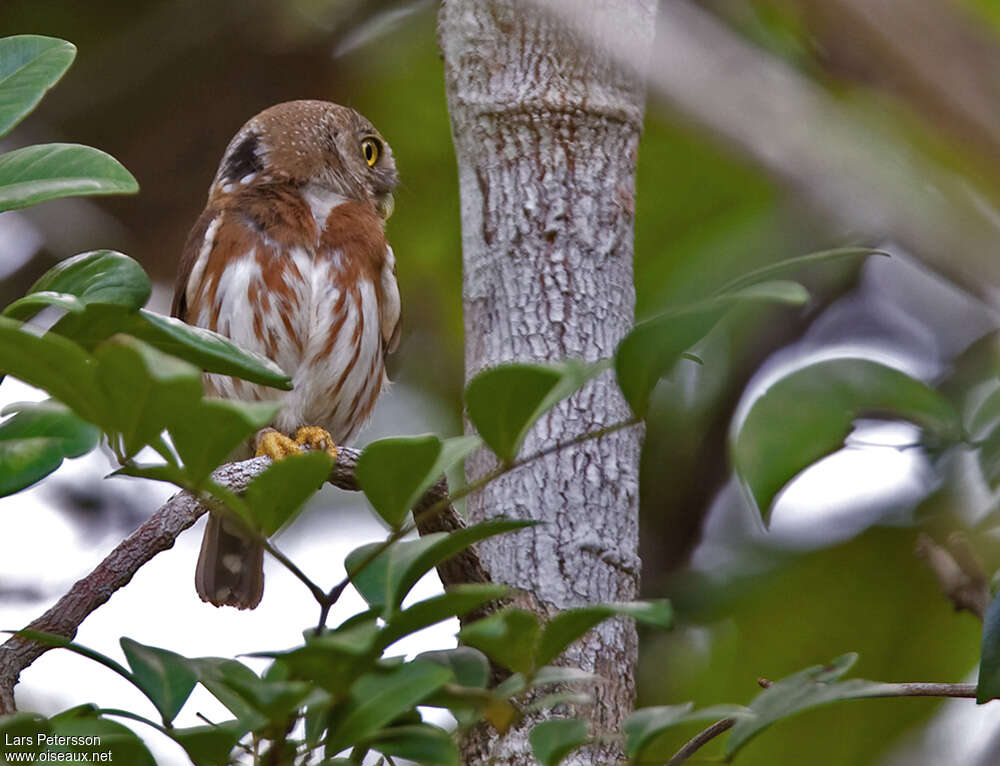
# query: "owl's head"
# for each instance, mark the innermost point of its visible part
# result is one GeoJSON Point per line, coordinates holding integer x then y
{"type": "Point", "coordinates": [313, 143]}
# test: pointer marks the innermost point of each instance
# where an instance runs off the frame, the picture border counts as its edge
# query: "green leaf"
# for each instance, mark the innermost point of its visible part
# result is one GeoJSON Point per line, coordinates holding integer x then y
{"type": "Point", "coordinates": [552, 741]}
{"type": "Point", "coordinates": [54, 364]}
{"type": "Point", "coordinates": [29, 66]}
{"type": "Point", "coordinates": [276, 700]}
{"type": "Point", "coordinates": [91, 324]}
{"type": "Point", "coordinates": [210, 745]}
{"type": "Point", "coordinates": [395, 473]}
{"type": "Point", "coordinates": [809, 688]}
{"type": "Point", "coordinates": [378, 698]}
{"type": "Point", "coordinates": [206, 349]}
{"type": "Point", "coordinates": [217, 674]}
{"type": "Point", "coordinates": [81, 722]}
{"type": "Point", "coordinates": [26, 307]}
{"type": "Point", "coordinates": [148, 391]}
{"type": "Point", "coordinates": [278, 493]}
{"type": "Point", "coordinates": [989, 664]}
{"type": "Point", "coordinates": [469, 666]}
{"type": "Point", "coordinates": [213, 429]}
{"type": "Point", "coordinates": [504, 402]}
{"type": "Point", "coordinates": [807, 414]}
{"type": "Point", "coordinates": [100, 277]}
{"type": "Point", "coordinates": [420, 743]}
{"type": "Point", "coordinates": [645, 725]}
{"type": "Point", "coordinates": [459, 600]}
{"type": "Point", "coordinates": [333, 659]}
{"type": "Point", "coordinates": [509, 637]}
{"type": "Point", "coordinates": [569, 625]}
{"type": "Point", "coordinates": [164, 676]}
{"type": "Point", "coordinates": [383, 579]}
{"type": "Point", "coordinates": [48, 171]}
{"type": "Point", "coordinates": [19, 733]}
{"type": "Point", "coordinates": [655, 345]}
{"type": "Point", "coordinates": [34, 442]}
{"type": "Point", "coordinates": [88, 324]}
{"type": "Point", "coordinates": [159, 472]}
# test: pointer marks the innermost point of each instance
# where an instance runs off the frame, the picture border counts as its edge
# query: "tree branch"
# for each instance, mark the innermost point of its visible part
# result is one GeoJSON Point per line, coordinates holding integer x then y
{"type": "Point", "coordinates": [158, 534]}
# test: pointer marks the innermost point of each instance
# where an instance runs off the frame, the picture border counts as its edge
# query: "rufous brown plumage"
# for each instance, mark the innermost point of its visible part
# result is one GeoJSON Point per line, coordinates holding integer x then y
{"type": "Point", "coordinates": [289, 259]}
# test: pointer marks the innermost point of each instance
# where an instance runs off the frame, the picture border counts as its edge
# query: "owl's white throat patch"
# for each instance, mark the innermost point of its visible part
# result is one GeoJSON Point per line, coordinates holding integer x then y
{"type": "Point", "coordinates": [321, 201]}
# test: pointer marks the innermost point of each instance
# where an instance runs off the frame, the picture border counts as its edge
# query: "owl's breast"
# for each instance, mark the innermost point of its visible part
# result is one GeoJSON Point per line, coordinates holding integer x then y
{"type": "Point", "coordinates": [316, 310]}
{"type": "Point", "coordinates": [339, 368]}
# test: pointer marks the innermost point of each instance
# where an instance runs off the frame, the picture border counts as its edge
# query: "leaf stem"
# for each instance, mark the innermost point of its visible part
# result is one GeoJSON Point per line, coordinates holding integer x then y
{"type": "Point", "coordinates": [482, 481]}
{"type": "Point", "coordinates": [292, 567]}
{"type": "Point", "coordinates": [133, 717]}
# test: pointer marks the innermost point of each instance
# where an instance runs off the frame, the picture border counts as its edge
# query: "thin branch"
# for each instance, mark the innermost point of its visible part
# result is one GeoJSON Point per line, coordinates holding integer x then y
{"type": "Point", "coordinates": [551, 449]}
{"type": "Point", "coordinates": [913, 689]}
{"type": "Point", "coordinates": [957, 570]}
{"type": "Point", "coordinates": [920, 689]}
{"type": "Point", "coordinates": [699, 739]}
{"type": "Point", "coordinates": [292, 567]}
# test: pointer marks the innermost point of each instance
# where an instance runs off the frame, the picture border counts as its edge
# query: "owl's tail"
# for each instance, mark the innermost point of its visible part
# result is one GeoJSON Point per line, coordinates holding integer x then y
{"type": "Point", "coordinates": [230, 566]}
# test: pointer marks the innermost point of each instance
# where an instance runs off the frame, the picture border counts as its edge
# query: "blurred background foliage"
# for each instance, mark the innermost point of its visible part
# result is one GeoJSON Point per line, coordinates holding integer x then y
{"type": "Point", "coordinates": [163, 84]}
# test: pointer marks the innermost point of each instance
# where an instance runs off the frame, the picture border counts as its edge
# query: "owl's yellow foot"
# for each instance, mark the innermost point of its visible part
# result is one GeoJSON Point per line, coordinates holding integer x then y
{"type": "Point", "coordinates": [276, 445]}
{"type": "Point", "coordinates": [316, 438]}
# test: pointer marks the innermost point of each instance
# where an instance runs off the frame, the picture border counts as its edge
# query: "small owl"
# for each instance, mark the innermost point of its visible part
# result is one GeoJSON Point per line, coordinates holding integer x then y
{"type": "Point", "coordinates": [289, 259]}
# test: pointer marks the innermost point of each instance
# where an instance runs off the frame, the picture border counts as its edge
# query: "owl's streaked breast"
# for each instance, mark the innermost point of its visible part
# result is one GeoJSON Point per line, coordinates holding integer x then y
{"type": "Point", "coordinates": [312, 308]}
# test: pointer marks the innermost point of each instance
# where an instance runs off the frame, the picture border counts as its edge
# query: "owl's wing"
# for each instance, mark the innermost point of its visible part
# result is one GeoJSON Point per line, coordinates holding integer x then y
{"type": "Point", "coordinates": [189, 257]}
{"type": "Point", "coordinates": [389, 305]}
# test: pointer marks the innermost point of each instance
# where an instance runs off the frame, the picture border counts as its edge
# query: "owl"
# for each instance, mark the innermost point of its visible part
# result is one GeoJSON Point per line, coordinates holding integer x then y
{"type": "Point", "coordinates": [289, 259]}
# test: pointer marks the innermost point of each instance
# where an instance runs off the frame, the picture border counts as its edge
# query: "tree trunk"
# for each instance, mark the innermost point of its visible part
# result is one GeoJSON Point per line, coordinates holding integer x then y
{"type": "Point", "coordinates": [546, 133]}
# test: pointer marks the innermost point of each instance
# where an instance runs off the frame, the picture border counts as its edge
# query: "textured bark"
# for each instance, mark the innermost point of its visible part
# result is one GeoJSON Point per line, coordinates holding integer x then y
{"type": "Point", "coordinates": [546, 133]}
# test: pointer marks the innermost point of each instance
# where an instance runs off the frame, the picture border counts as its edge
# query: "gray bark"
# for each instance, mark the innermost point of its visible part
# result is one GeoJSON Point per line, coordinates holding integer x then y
{"type": "Point", "coordinates": [546, 133]}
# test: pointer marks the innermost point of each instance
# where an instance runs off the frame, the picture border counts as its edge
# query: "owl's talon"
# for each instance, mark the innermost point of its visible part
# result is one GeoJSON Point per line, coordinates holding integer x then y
{"type": "Point", "coordinates": [316, 438]}
{"type": "Point", "coordinates": [276, 445]}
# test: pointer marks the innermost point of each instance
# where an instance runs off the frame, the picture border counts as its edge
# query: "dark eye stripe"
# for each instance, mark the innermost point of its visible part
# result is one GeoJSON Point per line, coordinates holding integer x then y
{"type": "Point", "coordinates": [242, 160]}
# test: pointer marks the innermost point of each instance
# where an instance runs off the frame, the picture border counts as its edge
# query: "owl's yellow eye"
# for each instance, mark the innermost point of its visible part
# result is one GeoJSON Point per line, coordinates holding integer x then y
{"type": "Point", "coordinates": [371, 149]}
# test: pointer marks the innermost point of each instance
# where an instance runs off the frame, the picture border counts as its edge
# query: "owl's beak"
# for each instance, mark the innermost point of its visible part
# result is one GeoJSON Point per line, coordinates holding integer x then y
{"type": "Point", "coordinates": [385, 204]}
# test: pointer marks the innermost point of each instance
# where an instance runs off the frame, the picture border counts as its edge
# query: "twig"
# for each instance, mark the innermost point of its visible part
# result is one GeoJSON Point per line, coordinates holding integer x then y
{"type": "Point", "coordinates": [699, 739]}
{"type": "Point", "coordinates": [292, 567]}
{"type": "Point", "coordinates": [913, 689]}
{"type": "Point", "coordinates": [959, 573]}
{"type": "Point", "coordinates": [920, 689]}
